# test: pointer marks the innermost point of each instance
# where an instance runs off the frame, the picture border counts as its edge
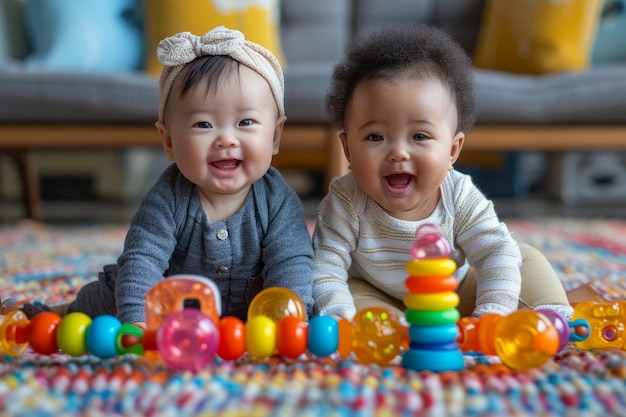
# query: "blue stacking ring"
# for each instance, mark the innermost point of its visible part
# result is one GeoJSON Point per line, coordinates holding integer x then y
{"type": "Point", "coordinates": [434, 346]}
{"type": "Point", "coordinates": [433, 360]}
{"type": "Point", "coordinates": [434, 334]}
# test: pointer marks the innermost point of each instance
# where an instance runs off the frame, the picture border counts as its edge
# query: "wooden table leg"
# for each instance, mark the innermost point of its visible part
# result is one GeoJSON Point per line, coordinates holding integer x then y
{"type": "Point", "coordinates": [27, 172]}
{"type": "Point", "coordinates": [337, 162]}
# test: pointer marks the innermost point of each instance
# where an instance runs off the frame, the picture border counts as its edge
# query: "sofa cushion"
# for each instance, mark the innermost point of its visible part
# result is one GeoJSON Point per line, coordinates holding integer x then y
{"type": "Point", "coordinates": [313, 32]}
{"type": "Point", "coordinates": [314, 36]}
{"type": "Point", "coordinates": [459, 18]}
{"type": "Point", "coordinates": [257, 19]}
{"type": "Point", "coordinates": [77, 96]}
{"type": "Point", "coordinates": [305, 92]}
{"type": "Point", "coordinates": [94, 35]}
{"type": "Point", "coordinates": [537, 36]}
{"type": "Point", "coordinates": [597, 95]}
{"type": "Point", "coordinates": [371, 15]}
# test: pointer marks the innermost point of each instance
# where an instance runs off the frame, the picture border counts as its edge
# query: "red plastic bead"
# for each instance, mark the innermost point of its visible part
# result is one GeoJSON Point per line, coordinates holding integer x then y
{"type": "Point", "coordinates": [43, 332]}
{"type": "Point", "coordinates": [291, 337]}
{"type": "Point", "coordinates": [232, 338]}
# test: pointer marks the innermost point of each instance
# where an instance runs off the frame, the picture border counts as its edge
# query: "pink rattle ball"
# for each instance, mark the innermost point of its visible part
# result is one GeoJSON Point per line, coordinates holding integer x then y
{"type": "Point", "coordinates": [187, 340]}
{"type": "Point", "coordinates": [430, 243]}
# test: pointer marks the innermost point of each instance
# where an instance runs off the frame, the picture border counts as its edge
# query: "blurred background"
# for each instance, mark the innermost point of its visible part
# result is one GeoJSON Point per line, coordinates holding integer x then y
{"type": "Point", "coordinates": [79, 96]}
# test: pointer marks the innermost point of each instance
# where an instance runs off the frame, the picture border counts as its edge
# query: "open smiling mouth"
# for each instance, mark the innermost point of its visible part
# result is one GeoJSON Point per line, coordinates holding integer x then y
{"type": "Point", "coordinates": [226, 164]}
{"type": "Point", "coordinates": [399, 181]}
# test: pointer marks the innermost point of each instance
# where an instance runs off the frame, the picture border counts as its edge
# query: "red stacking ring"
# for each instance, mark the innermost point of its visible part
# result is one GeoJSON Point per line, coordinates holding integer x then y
{"type": "Point", "coordinates": [430, 285]}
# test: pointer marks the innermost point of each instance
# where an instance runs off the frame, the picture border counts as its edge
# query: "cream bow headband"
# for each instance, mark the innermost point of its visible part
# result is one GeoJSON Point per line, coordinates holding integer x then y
{"type": "Point", "coordinates": [178, 50]}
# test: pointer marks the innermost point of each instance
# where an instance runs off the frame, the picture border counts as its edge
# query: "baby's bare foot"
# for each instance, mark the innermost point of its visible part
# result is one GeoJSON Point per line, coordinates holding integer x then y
{"type": "Point", "coordinates": [8, 304]}
{"type": "Point", "coordinates": [61, 309]}
{"type": "Point", "coordinates": [32, 310]}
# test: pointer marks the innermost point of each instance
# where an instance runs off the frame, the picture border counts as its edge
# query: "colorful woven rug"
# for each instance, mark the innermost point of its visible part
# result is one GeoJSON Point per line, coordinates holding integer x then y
{"type": "Point", "coordinates": [49, 264]}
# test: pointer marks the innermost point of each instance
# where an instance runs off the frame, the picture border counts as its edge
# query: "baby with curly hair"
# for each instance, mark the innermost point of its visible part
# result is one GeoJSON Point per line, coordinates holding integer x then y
{"type": "Point", "coordinates": [404, 101]}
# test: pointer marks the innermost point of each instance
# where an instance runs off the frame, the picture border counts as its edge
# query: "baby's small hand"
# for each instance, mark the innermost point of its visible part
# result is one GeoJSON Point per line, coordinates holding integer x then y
{"type": "Point", "coordinates": [140, 324]}
{"type": "Point", "coordinates": [129, 339]}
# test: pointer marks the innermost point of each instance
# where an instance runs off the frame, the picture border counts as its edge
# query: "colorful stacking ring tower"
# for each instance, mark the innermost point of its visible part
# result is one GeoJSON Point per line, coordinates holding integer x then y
{"type": "Point", "coordinates": [432, 304]}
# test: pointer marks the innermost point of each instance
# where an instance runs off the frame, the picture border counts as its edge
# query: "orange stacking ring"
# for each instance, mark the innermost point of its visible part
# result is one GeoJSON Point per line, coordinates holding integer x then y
{"type": "Point", "coordinates": [429, 285]}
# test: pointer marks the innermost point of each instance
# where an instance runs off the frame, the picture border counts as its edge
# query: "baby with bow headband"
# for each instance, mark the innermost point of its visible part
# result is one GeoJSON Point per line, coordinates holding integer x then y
{"type": "Point", "coordinates": [177, 51]}
{"type": "Point", "coordinates": [220, 211]}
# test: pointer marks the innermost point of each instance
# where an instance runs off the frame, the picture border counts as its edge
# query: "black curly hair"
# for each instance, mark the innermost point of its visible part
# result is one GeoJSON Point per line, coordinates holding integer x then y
{"type": "Point", "coordinates": [416, 51]}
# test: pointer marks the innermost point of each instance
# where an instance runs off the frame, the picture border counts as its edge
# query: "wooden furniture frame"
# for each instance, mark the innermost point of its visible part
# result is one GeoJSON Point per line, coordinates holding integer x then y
{"type": "Point", "coordinates": [303, 147]}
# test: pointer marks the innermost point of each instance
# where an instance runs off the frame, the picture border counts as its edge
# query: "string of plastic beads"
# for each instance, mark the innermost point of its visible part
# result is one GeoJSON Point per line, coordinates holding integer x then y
{"type": "Point", "coordinates": [188, 338]}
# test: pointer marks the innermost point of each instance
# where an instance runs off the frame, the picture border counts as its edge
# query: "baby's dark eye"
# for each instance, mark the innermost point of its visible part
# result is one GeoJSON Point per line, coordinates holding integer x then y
{"type": "Point", "coordinates": [203, 125]}
{"type": "Point", "coordinates": [246, 122]}
{"type": "Point", "coordinates": [375, 137]}
{"type": "Point", "coordinates": [419, 137]}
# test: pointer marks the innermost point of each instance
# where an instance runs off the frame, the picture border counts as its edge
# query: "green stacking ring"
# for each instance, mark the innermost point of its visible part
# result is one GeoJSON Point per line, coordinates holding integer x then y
{"type": "Point", "coordinates": [432, 317]}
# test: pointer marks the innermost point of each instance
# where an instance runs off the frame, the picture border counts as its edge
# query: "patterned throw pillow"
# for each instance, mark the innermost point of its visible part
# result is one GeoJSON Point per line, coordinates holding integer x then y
{"type": "Point", "coordinates": [257, 19]}
{"type": "Point", "coordinates": [537, 36]}
{"type": "Point", "coordinates": [610, 43]}
{"type": "Point", "coordinates": [13, 37]}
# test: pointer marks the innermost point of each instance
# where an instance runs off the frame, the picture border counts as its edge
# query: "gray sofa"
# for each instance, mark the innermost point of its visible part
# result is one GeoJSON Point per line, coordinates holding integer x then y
{"type": "Point", "coordinates": [48, 110]}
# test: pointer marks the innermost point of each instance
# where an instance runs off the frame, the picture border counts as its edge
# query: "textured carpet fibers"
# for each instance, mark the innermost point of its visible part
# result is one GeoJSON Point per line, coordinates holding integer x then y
{"type": "Point", "coordinates": [49, 264]}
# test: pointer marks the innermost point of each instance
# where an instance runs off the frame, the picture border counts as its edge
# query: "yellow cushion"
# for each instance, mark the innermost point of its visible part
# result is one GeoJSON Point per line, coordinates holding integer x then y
{"type": "Point", "coordinates": [537, 36]}
{"type": "Point", "coordinates": [163, 18]}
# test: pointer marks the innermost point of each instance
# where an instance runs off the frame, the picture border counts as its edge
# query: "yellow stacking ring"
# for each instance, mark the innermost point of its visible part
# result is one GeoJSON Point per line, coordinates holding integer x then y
{"type": "Point", "coordinates": [437, 301]}
{"type": "Point", "coordinates": [431, 267]}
